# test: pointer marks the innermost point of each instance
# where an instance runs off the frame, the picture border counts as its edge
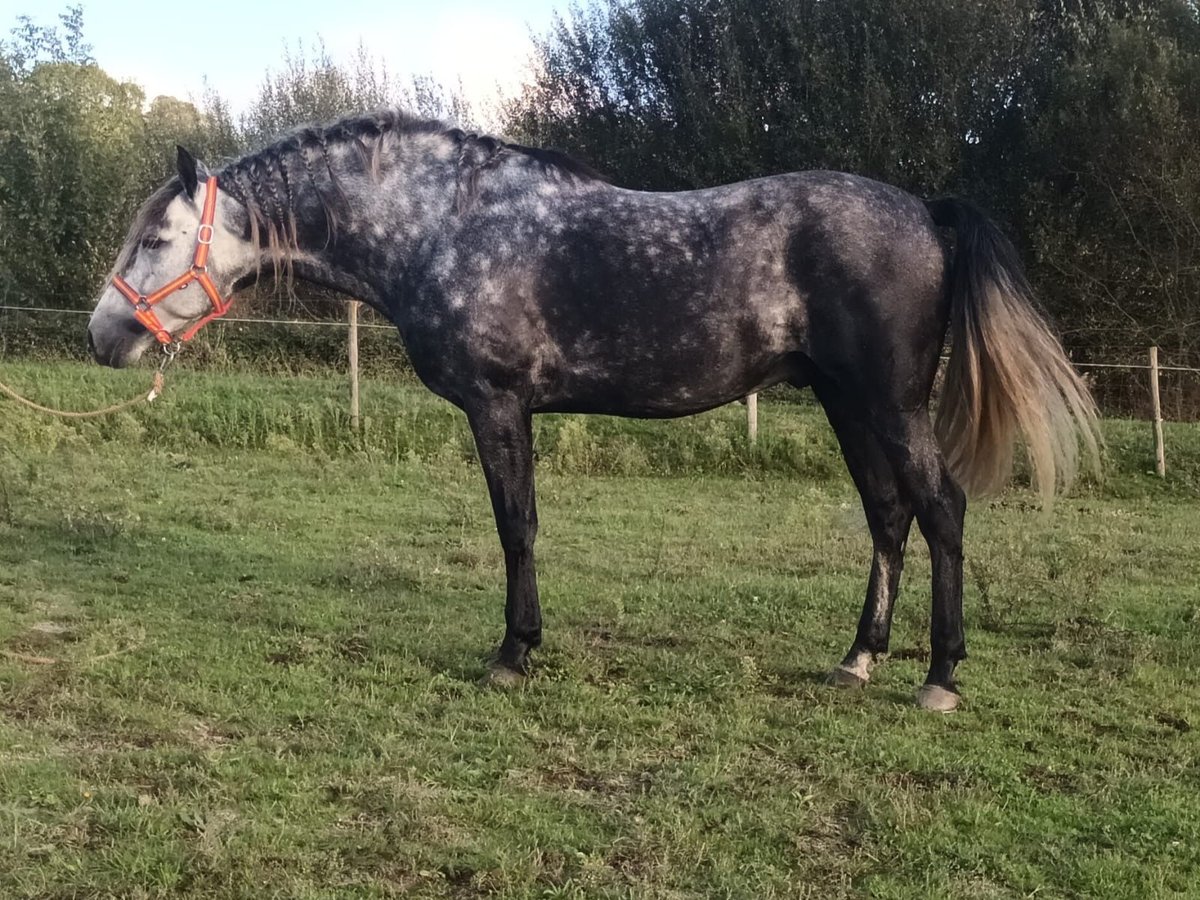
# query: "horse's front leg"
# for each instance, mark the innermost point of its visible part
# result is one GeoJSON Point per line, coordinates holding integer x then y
{"type": "Point", "coordinates": [503, 432]}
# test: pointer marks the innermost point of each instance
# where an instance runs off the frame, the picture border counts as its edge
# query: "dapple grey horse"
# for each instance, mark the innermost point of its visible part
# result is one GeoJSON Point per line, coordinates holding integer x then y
{"type": "Point", "coordinates": [522, 282]}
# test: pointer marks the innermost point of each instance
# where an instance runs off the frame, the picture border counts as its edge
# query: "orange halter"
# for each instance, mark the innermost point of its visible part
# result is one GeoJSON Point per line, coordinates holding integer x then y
{"type": "Point", "coordinates": [143, 306]}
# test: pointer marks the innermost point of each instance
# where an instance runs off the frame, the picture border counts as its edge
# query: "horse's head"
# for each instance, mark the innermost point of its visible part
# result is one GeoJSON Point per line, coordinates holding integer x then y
{"type": "Point", "coordinates": [188, 245]}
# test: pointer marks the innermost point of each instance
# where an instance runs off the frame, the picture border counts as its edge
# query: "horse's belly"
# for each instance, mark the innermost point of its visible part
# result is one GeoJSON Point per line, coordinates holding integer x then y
{"type": "Point", "coordinates": [657, 387]}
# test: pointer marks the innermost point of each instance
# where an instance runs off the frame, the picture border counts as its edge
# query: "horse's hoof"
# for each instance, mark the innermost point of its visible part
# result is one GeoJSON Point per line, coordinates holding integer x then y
{"type": "Point", "coordinates": [502, 678]}
{"type": "Point", "coordinates": [937, 699]}
{"type": "Point", "coordinates": [845, 678]}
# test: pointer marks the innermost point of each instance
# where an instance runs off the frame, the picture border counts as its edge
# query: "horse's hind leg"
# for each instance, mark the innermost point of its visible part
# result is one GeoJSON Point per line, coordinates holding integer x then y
{"type": "Point", "coordinates": [889, 517]}
{"type": "Point", "coordinates": [908, 441]}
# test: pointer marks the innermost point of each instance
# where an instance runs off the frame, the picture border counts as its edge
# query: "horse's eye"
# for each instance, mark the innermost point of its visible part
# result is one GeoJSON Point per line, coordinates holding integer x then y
{"type": "Point", "coordinates": [151, 243]}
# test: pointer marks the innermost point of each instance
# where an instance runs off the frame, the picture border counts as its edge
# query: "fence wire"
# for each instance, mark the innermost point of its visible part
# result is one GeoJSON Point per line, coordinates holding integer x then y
{"type": "Point", "coordinates": [321, 323]}
{"type": "Point", "coordinates": [333, 323]}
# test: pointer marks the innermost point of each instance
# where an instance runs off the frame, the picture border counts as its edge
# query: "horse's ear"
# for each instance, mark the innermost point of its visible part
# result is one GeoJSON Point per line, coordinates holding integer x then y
{"type": "Point", "coordinates": [187, 170]}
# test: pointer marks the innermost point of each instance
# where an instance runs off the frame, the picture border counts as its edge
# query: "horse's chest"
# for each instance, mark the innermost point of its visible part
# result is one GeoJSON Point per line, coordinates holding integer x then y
{"type": "Point", "coordinates": [461, 332]}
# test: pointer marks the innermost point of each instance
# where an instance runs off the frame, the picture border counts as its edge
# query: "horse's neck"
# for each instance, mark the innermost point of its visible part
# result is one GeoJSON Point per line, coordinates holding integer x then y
{"type": "Point", "coordinates": [357, 234]}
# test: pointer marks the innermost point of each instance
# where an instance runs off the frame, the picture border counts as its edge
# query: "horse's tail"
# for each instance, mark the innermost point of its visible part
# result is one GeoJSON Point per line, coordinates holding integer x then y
{"type": "Point", "coordinates": [1007, 373]}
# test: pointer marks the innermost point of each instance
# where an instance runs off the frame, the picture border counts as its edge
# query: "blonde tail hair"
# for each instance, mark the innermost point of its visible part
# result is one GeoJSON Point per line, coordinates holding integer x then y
{"type": "Point", "coordinates": [1008, 374]}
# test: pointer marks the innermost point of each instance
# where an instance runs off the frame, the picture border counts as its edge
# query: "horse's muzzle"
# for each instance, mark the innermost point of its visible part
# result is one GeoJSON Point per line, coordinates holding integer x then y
{"type": "Point", "coordinates": [116, 347]}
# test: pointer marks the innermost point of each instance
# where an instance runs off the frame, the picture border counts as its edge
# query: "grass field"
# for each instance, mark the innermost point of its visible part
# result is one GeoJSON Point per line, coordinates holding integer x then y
{"type": "Point", "coordinates": [240, 651]}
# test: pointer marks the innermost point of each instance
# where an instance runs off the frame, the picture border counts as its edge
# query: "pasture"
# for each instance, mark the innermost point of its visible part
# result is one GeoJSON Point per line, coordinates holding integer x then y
{"type": "Point", "coordinates": [240, 649]}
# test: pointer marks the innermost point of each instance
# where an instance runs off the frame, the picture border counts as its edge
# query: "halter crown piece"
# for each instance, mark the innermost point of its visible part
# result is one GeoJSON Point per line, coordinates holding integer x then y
{"type": "Point", "coordinates": [143, 306]}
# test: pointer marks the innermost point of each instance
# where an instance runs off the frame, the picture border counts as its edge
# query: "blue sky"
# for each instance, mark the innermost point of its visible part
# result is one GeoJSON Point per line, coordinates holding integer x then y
{"type": "Point", "coordinates": [169, 48]}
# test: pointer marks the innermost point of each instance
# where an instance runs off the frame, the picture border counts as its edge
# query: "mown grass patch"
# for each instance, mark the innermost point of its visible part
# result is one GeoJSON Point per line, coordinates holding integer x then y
{"type": "Point", "coordinates": [242, 663]}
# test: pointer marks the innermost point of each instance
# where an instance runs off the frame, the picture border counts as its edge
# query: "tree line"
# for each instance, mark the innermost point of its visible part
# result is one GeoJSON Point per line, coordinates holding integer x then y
{"type": "Point", "coordinates": [1075, 122]}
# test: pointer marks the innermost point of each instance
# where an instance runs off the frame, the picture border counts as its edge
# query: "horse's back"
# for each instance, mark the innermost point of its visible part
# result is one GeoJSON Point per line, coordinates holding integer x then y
{"type": "Point", "coordinates": [821, 265]}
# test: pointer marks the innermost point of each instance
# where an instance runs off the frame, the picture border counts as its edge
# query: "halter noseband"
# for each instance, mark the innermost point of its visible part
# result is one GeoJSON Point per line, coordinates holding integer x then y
{"type": "Point", "coordinates": [143, 306]}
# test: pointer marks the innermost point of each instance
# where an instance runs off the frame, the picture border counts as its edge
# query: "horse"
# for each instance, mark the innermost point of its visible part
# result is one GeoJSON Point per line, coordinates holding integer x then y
{"type": "Point", "coordinates": [521, 281]}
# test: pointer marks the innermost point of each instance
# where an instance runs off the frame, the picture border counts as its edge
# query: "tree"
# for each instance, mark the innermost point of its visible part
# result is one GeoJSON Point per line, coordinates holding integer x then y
{"type": "Point", "coordinates": [30, 43]}
{"type": "Point", "coordinates": [1113, 207]}
{"type": "Point", "coordinates": [679, 93]}
{"type": "Point", "coordinates": [70, 171]}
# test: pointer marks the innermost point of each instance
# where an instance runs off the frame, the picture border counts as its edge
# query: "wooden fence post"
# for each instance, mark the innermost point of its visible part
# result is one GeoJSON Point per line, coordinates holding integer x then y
{"type": "Point", "coordinates": [354, 417]}
{"type": "Point", "coordinates": [1160, 451]}
{"type": "Point", "coordinates": [752, 417]}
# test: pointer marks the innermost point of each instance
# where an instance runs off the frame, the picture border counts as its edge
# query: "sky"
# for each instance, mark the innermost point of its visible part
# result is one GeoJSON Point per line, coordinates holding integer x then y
{"type": "Point", "coordinates": [170, 48]}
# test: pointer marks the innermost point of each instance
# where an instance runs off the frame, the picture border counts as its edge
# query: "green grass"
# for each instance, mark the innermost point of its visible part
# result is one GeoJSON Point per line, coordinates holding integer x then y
{"type": "Point", "coordinates": [265, 635]}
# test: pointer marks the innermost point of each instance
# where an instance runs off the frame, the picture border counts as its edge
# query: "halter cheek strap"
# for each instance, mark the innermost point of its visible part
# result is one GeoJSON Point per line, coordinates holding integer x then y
{"type": "Point", "coordinates": [143, 306]}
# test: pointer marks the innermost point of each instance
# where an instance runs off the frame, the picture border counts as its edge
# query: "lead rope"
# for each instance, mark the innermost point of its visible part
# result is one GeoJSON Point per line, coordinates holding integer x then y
{"type": "Point", "coordinates": [156, 389]}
